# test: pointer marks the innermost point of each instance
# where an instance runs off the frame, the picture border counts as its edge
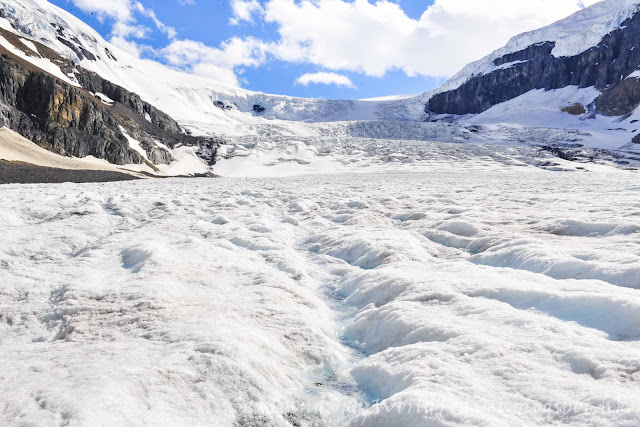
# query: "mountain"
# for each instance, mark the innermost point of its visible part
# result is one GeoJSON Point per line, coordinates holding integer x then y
{"type": "Point", "coordinates": [593, 47]}
{"type": "Point", "coordinates": [68, 90]}
{"type": "Point", "coordinates": [52, 94]}
{"type": "Point", "coordinates": [593, 56]}
{"type": "Point", "coordinates": [62, 86]}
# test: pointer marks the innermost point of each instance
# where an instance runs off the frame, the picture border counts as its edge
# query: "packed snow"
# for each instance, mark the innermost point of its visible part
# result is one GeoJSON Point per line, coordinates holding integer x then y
{"type": "Point", "coordinates": [367, 146]}
{"type": "Point", "coordinates": [490, 293]}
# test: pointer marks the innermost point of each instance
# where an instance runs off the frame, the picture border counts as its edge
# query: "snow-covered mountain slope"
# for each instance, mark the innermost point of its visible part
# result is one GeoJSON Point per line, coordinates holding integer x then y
{"type": "Point", "coordinates": [202, 105]}
{"type": "Point", "coordinates": [579, 75]}
{"type": "Point", "coordinates": [571, 36]}
{"type": "Point", "coordinates": [71, 111]}
{"type": "Point", "coordinates": [539, 107]}
{"type": "Point", "coordinates": [595, 47]}
{"type": "Point", "coordinates": [295, 135]}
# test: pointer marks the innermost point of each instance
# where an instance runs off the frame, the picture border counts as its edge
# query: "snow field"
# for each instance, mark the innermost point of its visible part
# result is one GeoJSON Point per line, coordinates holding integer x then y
{"type": "Point", "coordinates": [357, 147]}
{"type": "Point", "coordinates": [446, 297]}
{"type": "Point", "coordinates": [135, 308]}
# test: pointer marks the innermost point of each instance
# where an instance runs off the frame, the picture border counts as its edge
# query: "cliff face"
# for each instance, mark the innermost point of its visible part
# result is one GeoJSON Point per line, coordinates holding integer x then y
{"type": "Point", "coordinates": [604, 66]}
{"type": "Point", "coordinates": [96, 84]}
{"type": "Point", "coordinates": [146, 123]}
{"type": "Point", "coordinates": [80, 121]}
{"type": "Point", "coordinates": [59, 117]}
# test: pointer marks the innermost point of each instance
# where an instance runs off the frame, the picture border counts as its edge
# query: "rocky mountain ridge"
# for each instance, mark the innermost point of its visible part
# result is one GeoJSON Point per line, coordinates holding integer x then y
{"type": "Point", "coordinates": [608, 66]}
{"type": "Point", "coordinates": [93, 118]}
{"type": "Point", "coordinates": [67, 89]}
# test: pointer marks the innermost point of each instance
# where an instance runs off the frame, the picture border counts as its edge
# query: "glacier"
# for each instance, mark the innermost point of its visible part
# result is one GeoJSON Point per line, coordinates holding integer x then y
{"type": "Point", "coordinates": [476, 289]}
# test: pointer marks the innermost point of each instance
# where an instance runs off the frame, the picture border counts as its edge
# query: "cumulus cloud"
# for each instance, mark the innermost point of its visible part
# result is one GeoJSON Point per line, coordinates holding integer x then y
{"type": "Point", "coordinates": [149, 13]}
{"type": "Point", "coordinates": [371, 37]}
{"type": "Point", "coordinates": [223, 63]}
{"type": "Point", "coordinates": [121, 10]}
{"type": "Point", "coordinates": [376, 37]}
{"type": "Point", "coordinates": [325, 79]}
{"type": "Point", "coordinates": [243, 10]}
{"type": "Point", "coordinates": [132, 48]}
{"type": "Point", "coordinates": [217, 63]}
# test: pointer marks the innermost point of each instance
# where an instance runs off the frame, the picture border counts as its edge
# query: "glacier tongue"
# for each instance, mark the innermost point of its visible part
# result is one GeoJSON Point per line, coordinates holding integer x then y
{"type": "Point", "coordinates": [450, 296]}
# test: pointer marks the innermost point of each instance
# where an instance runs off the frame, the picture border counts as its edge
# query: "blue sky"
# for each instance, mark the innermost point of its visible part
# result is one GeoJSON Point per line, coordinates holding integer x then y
{"type": "Point", "coordinates": [361, 48]}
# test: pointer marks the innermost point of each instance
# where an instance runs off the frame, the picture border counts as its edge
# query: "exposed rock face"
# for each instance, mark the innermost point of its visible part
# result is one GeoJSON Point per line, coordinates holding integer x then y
{"type": "Point", "coordinates": [58, 116]}
{"type": "Point", "coordinates": [621, 98]}
{"type": "Point", "coordinates": [78, 49]}
{"type": "Point", "coordinates": [96, 84]}
{"type": "Point", "coordinates": [72, 121]}
{"type": "Point", "coordinates": [576, 109]}
{"type": "Point", "coordinates": [603, 66]}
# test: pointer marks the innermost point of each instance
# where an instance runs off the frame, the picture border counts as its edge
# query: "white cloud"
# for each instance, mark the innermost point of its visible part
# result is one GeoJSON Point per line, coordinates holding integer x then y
{"type": "Point", "coordinates": [217, 63]}
{"type": "Point", "coordinates": [373, 38]}
{"type": "Point", "coordinates": [325, 79]}
{"type": "Point", "coordinates": [223, 63]}
{"type": "Point", "coordinates": [226, 76]}
{"type": "Point", "coordinates": [128, 30]}
{"type": "Point", "coordinates": [131, 48]}
{"type": "Point", "coordinates": [243, 10]}
{"type": "Point", "coordinates": [116, 9]}
{"type": "Point", "coordinates": [169, 31]}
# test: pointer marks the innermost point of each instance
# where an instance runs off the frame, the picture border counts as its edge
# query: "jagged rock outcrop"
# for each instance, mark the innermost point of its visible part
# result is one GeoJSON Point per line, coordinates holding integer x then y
{"type": "Point", "coordinates": [576, 109]}
{"type": "Point", "coordinates": [621, 98]}
{"type": "Point", "coordinates": [78, 121]}
{"type": "Point", "coordinates": [96, 84]}
{"type": "Point", "coordinates": [59, 117]}
{"type": "Point", "coordinates": [604, 66]}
